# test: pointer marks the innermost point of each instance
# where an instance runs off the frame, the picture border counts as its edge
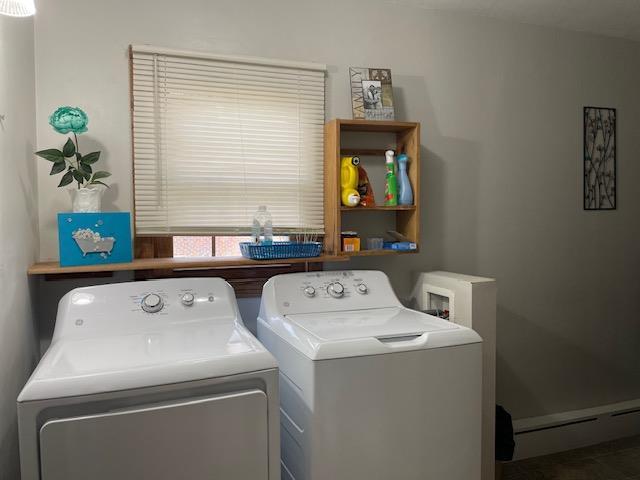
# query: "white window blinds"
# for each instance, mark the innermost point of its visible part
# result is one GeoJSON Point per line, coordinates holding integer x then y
{"type": "Point", "coordinates": [215, 137]}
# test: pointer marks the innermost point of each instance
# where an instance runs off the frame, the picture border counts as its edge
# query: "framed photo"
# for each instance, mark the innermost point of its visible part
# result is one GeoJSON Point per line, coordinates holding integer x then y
{"type": "Point", "coordinates": [599, 158]}
{"type": "Point", "coordinates": [371, 93]}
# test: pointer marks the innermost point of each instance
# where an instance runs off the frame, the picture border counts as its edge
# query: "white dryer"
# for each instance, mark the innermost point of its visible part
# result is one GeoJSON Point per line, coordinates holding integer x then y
{"type": "Point", "coordinates": [369, 389]}
{"type": "Point", "coordinates": [151, 380]}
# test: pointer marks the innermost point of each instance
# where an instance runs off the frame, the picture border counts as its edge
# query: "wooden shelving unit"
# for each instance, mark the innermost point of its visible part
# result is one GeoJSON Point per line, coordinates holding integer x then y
{"type": "Point", "coordinates": [407, 140]}
{"type": "Point", "coordinates": [54, 268]}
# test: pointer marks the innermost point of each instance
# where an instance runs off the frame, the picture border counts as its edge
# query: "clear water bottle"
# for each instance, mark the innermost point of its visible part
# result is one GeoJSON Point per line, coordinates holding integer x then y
{"type": "Point", "coordinates": [262, 229]}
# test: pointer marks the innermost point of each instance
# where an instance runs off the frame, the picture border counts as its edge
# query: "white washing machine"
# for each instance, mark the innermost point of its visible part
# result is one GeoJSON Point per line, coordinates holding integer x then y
{"type": "Point", "coordinates": [368, 388]}
{"type": "Point", "coordinates": [151, 380]}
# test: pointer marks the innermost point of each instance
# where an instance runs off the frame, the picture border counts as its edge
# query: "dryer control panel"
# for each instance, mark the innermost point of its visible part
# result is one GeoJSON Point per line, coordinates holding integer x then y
{"type": "Point", "coordinates": [331, 291]}
{"type": "Point", "coordinates": [134, 306]}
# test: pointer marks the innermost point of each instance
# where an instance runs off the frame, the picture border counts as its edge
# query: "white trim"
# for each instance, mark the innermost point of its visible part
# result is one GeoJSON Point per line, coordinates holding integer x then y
{"type": "Point", "coordinates": [562, 431]}
{"type": "Point", "coordinates": [229, 58]}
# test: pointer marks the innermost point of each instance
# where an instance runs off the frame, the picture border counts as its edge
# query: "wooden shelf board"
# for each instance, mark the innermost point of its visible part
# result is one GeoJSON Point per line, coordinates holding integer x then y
{"type": "Point", "coordinates": [374, 125]}
{"type": "Point", "coordinates": [53, 268]}
{"type": "Point", "coordinates": [373, 253]}
{"type": "Point", "coordinates": [363, 152]}
{"type": "Point", "coordinates": [380, 208]}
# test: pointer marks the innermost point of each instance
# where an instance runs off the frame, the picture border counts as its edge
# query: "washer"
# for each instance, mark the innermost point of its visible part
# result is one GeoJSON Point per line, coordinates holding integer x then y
{"type": "Point", "coordinates": [151, 380]}
{"type": "Point", "coordinates": [368, 388]}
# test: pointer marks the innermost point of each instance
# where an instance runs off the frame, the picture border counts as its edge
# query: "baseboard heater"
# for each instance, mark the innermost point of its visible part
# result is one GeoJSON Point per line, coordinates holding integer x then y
{"type": "Point", "coordinates": [630, 412]}
{"type": "Point", "coordinates": [561, 425]}
{"type": "Point", "coordinates": [578, 428]}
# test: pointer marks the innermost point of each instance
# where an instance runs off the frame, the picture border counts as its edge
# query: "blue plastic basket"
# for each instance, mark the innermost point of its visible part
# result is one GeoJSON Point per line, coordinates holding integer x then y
{"type": "Point", "coordinates": [279, 250]}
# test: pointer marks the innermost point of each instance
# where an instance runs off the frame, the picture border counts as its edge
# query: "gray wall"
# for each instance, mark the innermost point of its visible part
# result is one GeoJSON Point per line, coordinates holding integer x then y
{"type": "Point", "coordinates": [500, 105]}
{"type": "Point", "coordinates": [18, 228]}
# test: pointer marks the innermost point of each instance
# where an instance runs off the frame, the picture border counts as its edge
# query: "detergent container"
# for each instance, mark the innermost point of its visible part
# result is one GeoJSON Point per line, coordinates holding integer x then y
{"type": "Point", "coordinates": [349, 181]}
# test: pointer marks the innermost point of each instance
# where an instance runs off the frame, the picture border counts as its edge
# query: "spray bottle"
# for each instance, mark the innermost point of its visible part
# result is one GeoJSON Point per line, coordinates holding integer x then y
{"type": "Point", "coordinates": [391, 182]}
{"type": "Point", "coordinates": [405, 194]}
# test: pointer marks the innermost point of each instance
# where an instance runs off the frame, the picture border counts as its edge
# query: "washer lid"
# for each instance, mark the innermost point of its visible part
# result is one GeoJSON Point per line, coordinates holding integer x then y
{"type": "Point", "coordinates": [378, 323]}
{"type": "Point", "coordinates": [368, 332]}
{"type": "Point", "coordinates": [172, 354]}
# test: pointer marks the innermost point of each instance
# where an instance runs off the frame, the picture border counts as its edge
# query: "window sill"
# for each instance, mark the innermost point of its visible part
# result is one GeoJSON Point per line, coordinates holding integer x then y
{"type": "Point", "coordinates": [54, 268]}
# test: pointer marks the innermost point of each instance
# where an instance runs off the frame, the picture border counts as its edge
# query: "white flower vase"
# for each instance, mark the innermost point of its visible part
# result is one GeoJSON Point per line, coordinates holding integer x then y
{"type": "Point", "coordinates": [87, 200]}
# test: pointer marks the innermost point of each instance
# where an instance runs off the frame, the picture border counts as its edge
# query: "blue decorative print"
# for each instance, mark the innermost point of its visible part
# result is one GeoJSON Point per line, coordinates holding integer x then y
{"type": "Point", "coordinates": [94, 238]}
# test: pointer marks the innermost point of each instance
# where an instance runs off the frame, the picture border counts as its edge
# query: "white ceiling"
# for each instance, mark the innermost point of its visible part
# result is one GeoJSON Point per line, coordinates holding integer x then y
{"type": "Point", "coordinates": [615, 18]}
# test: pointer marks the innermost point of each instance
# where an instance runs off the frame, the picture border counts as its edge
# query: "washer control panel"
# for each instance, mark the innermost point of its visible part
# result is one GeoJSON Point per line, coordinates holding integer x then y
{"type": "Point", "coordinates": [332, 291]}
{"type": "Point", "coordinates": [333, 287]}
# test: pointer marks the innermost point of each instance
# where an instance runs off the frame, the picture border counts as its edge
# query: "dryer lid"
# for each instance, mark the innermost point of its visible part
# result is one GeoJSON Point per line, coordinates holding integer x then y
{"type": "Point", "coordinates": [173, 354]}
{"type": "Point", "coordinates": [377, 331]}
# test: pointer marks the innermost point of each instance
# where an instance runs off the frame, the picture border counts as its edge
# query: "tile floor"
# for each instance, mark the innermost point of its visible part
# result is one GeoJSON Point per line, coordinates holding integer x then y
{"type": "Point", "coordinates": [615, 460]}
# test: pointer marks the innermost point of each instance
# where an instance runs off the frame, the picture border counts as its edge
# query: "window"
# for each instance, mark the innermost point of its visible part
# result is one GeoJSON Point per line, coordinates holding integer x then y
{"type": "Point", "coordinates": [192, 246]}
{"type": "Point", "coordinates": [226, 246]}
{"type": "Point", "coordinates": [215, 137]}
{"type": "Point", "coordinates": [229, 246]}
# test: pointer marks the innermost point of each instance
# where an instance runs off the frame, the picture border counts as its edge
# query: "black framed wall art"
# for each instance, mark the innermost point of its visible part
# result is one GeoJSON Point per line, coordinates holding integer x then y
{"type": "Point", "coordinates": [599, 158]}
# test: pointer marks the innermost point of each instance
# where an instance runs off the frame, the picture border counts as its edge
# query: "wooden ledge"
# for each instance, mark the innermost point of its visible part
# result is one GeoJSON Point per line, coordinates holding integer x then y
{"type": "Point", "coordinates": [186, 263]}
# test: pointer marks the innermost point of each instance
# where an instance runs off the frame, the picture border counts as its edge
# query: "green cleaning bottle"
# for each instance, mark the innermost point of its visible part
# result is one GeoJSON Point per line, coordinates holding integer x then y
{"type": "Point", "coordinates": [391, 182]}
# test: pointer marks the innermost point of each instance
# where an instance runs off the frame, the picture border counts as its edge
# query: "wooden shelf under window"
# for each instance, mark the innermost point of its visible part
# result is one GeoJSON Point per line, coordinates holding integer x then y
{"type": "Point", "coordinates": [54, 268]}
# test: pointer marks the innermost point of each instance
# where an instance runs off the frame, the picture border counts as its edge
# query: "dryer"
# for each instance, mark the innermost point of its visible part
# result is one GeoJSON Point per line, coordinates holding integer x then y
{"type": "Point", "coordinates": [369, 389]}
{"type": "Point", "coordinates": [151, 380]}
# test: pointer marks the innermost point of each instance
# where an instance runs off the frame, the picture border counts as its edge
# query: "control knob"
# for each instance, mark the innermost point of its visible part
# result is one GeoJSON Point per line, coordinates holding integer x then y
{"type": "Point", "coordinates": [310, 292]}
{"type": "Point", "coordinates": [187, 299]}
{"type": "Point", "coordinates": [335, 289]}
{"type": "Point", "coordinates": [362, 289]}
{"type": "Point", "coordinates": [152, 303]}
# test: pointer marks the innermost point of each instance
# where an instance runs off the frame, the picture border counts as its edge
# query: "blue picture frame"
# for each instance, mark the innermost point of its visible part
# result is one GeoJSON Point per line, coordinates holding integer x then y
{"type": "Point", "coordinates": [94, 238]}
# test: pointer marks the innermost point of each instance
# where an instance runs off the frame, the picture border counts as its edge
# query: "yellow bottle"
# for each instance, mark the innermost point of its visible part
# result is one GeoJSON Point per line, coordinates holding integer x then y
{"type": "Point", "coordinates": [349, 181]}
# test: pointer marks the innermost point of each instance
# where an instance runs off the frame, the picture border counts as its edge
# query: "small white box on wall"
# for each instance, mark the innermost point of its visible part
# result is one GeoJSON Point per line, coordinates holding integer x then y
{"type": "Point", "coordinates": [469, 301]}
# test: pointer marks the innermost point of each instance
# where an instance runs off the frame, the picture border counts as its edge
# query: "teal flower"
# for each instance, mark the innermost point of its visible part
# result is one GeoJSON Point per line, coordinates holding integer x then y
{"type": "Point", "coordinates": [69, 119]}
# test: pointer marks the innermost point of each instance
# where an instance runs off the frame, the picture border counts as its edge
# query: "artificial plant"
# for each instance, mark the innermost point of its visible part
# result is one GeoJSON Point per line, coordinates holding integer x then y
{"type": "Point", "coordinates": [76, 166]}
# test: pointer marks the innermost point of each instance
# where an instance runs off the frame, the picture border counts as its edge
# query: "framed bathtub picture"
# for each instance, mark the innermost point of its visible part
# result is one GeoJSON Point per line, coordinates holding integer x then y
{"type": "Point", "coordinates": [94, 238]}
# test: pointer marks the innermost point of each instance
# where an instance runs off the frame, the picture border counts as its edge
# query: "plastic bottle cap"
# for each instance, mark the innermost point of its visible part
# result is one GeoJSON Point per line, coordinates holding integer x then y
{"type": "Point", "coordinates": [388, 155]}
